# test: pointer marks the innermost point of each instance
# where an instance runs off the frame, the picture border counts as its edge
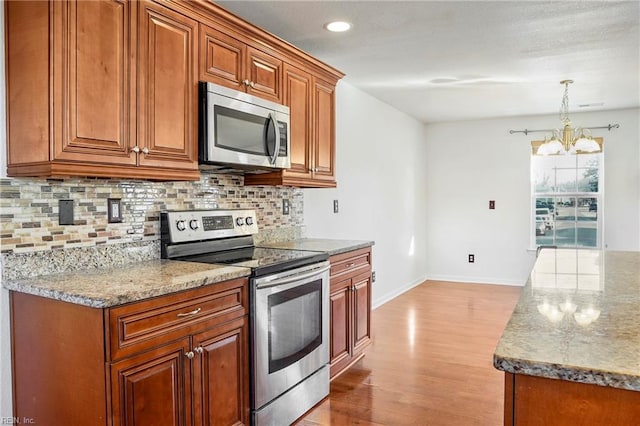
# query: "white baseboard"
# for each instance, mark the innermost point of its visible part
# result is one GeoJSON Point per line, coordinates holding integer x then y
{"type": "Point", "coordinates": [389, 296]}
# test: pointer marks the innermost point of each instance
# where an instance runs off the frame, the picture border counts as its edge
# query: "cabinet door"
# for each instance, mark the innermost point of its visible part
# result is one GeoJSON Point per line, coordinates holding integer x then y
{"type": "Point", "coordinates": [221, 58]}
{"type": "Point", "coordinates": [265, 75]}
{"type": "Point", "coordinates": [153, 388]}
{"type": "Point", "coordinates": [361, 311]}
{"type": "Point", "coordinates": [221, 376]}
{"type": "Point", "coordinates": [297, 96]}
{"type": "Point", "coordinates": [324, 131]}
{"type": "Point", "coordinates": [340, 313]}
{"type": "Point", "coordinates": [94, 94]}
{"type": "Point", "coordinates": [167, 88]}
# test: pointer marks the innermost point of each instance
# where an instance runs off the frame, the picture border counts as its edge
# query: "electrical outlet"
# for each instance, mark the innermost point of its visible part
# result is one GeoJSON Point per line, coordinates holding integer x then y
{"type": "Point", "coordinates": [373, 276]}
{"type": "Point", "coordinates": [472, 258]}
{"type": "Point", "coordinates": [65, 212]}
{"type": "Point", "coordinates": [286, 206]}
{"type": "Point", "coordinates": [492, 204]}
{"type": "Point", "coordinates": [335, 206]}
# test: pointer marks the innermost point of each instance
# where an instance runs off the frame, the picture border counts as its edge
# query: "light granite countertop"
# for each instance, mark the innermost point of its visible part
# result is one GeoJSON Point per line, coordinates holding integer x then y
{"type": "Point", "coordinates": [332, 247]}
{"type": "Point", "coordinates": [101, 288]}
{"type": "Point", "coordinates": [578, 319]}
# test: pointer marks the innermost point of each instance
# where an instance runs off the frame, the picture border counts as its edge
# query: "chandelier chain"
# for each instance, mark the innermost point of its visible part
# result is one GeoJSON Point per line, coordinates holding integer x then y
{"type": "Point", "coordinates": [564, 107]}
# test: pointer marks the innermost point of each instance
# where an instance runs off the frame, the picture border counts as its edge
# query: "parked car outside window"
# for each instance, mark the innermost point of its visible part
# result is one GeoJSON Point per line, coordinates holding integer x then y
{"type": "Point", "coordinates": [545, 216]}
{"type": "Point", "coordinates": [541, 228]}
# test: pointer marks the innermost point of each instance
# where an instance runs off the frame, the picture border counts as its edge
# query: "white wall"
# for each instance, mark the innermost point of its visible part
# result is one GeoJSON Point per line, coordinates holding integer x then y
{"type": "Point", "coordinates": [380, 173]}
{"type": "Point", "coordinates": [469, 163]}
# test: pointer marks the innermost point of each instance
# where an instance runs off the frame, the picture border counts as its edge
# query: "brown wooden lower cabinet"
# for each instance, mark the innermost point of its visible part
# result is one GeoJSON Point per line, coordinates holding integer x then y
{"type": "Point", "coordinates": [350, 308]}
{"type": "Point", "coordinates": [138, 364]}
{"type": "Point", "coordinates": [533, 401]}
{"type": "Point", "coordinates": [152, 388]}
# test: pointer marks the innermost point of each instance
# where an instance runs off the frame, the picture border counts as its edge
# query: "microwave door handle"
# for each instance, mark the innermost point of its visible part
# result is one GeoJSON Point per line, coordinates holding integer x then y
{"type": "Point", "coordinates": [272, 117]}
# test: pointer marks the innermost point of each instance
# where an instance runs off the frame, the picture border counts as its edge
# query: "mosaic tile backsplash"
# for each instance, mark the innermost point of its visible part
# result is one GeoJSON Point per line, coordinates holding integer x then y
{"type": "Point", "coordinates": [29, 209]}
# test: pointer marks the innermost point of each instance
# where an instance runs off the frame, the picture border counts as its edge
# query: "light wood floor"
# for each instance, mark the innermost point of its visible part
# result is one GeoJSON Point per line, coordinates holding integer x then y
{"type": "Point", "coordinates": [430, 362]}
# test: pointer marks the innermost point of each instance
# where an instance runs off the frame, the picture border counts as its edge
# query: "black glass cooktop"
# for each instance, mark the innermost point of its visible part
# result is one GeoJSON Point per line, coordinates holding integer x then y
{"type": "Point", "coordinates": [262, 261]}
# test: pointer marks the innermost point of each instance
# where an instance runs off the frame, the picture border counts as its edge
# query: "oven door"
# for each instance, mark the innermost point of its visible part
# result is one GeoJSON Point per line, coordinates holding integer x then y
{"type": "Point", "coordinates": [290, 329]}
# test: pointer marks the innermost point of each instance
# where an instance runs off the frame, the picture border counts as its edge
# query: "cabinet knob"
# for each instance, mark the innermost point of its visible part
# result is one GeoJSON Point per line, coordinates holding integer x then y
{"type": "Point", "coordinates": [199, 350]}
{"type": "Point", "coordinates": [135, 149]}
{"type": "Point", "coordinates": [252, 84]}
{"type": "Point", "coordinates": [189, 354]}
{"type": "Point", "coordinates": [245, 82]}
{"type": "Point", "coordinates": [145, 150]}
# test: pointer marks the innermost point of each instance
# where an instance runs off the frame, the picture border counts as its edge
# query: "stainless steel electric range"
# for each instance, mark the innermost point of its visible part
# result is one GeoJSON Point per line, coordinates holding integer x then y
{"type": "Point", "coordinates": [289, 314]}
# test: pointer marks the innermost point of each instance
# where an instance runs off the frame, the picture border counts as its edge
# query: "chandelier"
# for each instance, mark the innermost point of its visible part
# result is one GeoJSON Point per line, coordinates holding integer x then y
{"type": "Point", "coordinates": [568, 140]}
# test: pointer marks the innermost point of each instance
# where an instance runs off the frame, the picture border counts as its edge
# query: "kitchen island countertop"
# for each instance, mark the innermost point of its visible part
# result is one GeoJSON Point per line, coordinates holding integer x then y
{"type": "Point", "coordinates": [578, 320]}
{"type": "Point", "coordinates": [102, 288]}
{"type": "Point", "coordinates": [329, 246]}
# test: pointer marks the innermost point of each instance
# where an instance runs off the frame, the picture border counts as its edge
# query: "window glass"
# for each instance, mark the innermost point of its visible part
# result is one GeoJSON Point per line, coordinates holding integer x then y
{"type": "Point", "coordinates": [567, 200]}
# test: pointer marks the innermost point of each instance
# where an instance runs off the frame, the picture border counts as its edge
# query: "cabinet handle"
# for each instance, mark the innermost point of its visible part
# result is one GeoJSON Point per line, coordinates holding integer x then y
{"type": "Point", "coordinates": [189, 314]}
{"type": "Point", "coordinates": [135, 149]}
{"type": "Point", "coordinates": [349, 265]}
{"type": "Point", "coordinates": [353, 288]}
{"type": "Point", "coordinates": [199, 350]}
{"type": "Point", "coordinates": [145, 150]}
{"type": "Point", "coordinates": [189, 354]}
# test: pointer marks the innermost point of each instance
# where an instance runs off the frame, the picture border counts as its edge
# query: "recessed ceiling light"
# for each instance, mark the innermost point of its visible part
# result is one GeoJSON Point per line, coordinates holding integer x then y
{"type": "Point", "coordinates": [338, 26]}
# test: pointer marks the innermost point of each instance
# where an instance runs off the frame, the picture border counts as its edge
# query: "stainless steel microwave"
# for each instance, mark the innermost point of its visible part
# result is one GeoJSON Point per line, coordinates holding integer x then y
{"type": "Point", "coordinates": [242, 131]}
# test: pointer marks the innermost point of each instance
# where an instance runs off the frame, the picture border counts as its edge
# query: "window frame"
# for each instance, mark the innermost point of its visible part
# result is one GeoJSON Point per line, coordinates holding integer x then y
{"type": "Point", "coordinates": [554, 194]}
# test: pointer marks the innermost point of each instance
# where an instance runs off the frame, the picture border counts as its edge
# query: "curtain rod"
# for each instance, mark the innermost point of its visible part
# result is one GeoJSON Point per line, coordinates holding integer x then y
{"type": "Point", "coordinates": [527, 131]}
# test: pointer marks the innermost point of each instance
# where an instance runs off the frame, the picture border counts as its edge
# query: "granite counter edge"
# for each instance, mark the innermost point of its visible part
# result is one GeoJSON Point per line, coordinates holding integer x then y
{"type": "Point", "coordinates": [330, 249]}
{"type": "Point", "coordinates": [212, 278]}
{"type": "Point", "coordinates": [361, 245]}
{"type": "Point", "coordinates": [567, 373]}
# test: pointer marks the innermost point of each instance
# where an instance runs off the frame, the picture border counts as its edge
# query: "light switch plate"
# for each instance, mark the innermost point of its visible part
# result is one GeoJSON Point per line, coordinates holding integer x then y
{"type": "Point", "coordinates": [65, 212]}
{"type": "Point", "coordinates": [114, 210]}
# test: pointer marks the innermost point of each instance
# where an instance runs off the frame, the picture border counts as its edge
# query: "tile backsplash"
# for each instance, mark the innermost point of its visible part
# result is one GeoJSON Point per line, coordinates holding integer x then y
{"type": "Point", "coordinates": [29, 209]}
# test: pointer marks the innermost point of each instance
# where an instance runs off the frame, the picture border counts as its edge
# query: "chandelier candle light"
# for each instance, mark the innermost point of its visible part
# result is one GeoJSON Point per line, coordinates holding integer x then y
{"type": "Point", "coordinates": [567, 140]}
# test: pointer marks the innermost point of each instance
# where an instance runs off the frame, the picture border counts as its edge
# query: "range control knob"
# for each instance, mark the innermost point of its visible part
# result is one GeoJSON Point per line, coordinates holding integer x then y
{"type": "Point", "coordinates": [181, 225]}
{"type": "Point", "coordinates": [239, 221]}
{"type": "Point", "coordinates": [193, 224]}
{"type": "Point", "coordinates": [248, 221]}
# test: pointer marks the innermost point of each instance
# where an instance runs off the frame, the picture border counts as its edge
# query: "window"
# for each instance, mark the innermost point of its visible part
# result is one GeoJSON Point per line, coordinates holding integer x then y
{"type": "Point", "coordinates": [567, 192]}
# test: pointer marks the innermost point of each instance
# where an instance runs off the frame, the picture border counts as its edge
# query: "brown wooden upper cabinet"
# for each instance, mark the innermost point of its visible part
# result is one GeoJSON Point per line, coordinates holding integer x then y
{"type": "Point", "coordinates": [227, 61]}
{"type": "Point", "coordinates": [311, 101]}
{"type": "Point", "coordinates": [108, 88]}
{"type": "Point", "coordinates": [167, 81]}
{"type": "Point", "coordinates": [100, 88]}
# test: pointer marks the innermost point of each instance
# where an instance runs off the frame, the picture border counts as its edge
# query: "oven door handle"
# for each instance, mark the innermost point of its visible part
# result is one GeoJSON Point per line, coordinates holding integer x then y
{"type": "Point", "coordinates": [293, 278]}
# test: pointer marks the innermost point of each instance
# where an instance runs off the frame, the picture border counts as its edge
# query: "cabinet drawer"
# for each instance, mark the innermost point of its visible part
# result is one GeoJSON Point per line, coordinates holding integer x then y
{"type": "Point", "coordinates": [142, 325]}
{"type": "Point", "coordinates": [351, 262]}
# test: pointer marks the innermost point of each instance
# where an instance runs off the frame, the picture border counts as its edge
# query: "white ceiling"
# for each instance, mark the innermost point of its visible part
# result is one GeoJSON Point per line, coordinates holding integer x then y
{"type": "Point", "coordinates": [459, 60]}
